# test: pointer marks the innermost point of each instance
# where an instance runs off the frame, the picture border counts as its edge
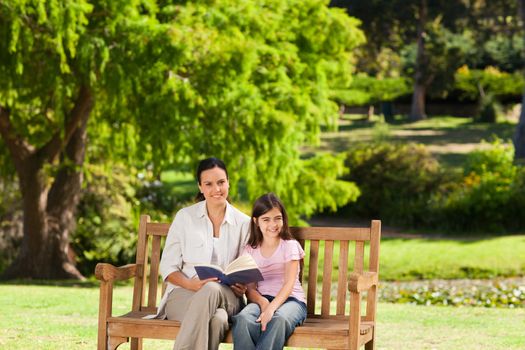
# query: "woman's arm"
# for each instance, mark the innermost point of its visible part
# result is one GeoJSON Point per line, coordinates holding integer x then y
{"type": "Point", "coordinates": [290, 274]}
{"type": "Point", "coordinates": [193, 284]}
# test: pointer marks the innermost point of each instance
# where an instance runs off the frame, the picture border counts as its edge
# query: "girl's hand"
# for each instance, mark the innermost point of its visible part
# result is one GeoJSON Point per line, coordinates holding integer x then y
{"type": "Point", "coordinates": [239, 289]}
{"type": "Point", "coordinates": [195, 283]}
{"type": "Point", "coordinates": [265, 317]}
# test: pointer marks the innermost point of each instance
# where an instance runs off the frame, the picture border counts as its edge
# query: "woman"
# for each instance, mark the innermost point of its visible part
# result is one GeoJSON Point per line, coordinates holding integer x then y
{"type": "Point", "coordinates": [212, 232]}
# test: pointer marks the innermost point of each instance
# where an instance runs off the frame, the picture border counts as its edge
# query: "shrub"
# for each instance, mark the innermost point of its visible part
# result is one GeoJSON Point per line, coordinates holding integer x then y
{"type": "Point", "coordinates": [396, 181]}
{"type": "Point", "coordinates": [490, 80]}
{"type": "Point", "coordinates": [489, 197]}
{"type": "Point", "coordinates": [366, 90]}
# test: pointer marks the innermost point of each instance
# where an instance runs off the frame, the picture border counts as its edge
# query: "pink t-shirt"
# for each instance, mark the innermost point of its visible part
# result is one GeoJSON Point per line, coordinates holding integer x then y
{"type": "Point", "coordinates": [273, 268]}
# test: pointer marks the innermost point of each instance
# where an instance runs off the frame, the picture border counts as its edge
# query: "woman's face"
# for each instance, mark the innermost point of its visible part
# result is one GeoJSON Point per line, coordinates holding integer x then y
{"type": "Point", "coordinates": [214, 185]}
{"type": "Point", "coordinates": [270, 223]}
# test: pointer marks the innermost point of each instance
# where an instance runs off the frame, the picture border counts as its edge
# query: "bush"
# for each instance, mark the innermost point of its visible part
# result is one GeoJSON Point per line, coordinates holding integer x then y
{"type": "Point", "coordinates": [491, 81]}
{"type": "Point", "coordinates": [106, 222]}
{"type": "Point", "coordinates": [365, 90]}
{"type": "Point", "coordinates": [396, 181]}
{"type": "Point", "coordinates": [489, 109]}
{"type": "Point", "coordinates": [489, 197]}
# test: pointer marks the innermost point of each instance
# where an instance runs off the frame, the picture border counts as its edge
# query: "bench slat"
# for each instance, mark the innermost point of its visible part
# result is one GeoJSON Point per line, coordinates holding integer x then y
{"type": "Point", "coordinates": [154, 271]}
{"type": "Point", "coordinates": [327, 277]}
{"type": "Point", "coordinates": [312, 276]}
{"type": "Point", "coordinates": [332, 233]}
{"type": "Point", "coordinates": [359, 256]}
{"type": "Point", "coordinates": [342, 279]}
{"type": "Point", "coordinates": [142, 258]}
{"type": "Point", "coordinates": [158, 229]}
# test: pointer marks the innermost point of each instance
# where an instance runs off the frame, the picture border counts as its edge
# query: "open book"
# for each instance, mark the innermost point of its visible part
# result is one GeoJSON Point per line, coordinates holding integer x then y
{"type": "Point", "coordinates": [242, 270]}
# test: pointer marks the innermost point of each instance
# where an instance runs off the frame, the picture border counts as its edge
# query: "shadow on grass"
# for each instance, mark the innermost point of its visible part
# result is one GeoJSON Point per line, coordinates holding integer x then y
{"type": "Point", "coordinates": [90, 282]}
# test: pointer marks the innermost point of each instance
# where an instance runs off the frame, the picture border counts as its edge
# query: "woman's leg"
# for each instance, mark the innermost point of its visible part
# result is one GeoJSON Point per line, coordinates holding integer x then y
{"type": "Point", "coordinates": [288, 316]}
{"type": "Point", "coordinates": [218, 327]}
{"type": "Point", "coordinates": [246, 331]}
{"type": "Point", "coordinates": [202, 325]}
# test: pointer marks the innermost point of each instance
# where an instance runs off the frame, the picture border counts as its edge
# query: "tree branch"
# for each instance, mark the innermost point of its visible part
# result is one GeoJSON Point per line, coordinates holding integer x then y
{"type": "Point", "coordinates": [18, 147]}
{"type": "Point", "coordinates": [77, 116]}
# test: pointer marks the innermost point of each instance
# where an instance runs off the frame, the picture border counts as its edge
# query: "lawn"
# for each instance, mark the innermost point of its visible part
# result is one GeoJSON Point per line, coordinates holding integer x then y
{"type": "Point", "coordinates": [65, 317]}
{"type": "Point", "coordinates": [448, 138]}
{"type": "Point", "coordinates": [426, 258]}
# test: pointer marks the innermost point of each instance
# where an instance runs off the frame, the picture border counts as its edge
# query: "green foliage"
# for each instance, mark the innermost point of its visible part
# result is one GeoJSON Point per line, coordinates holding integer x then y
{"type": "Point", "coordinates": [174, 82]}
{"type": "Point", "coordinates": [396, 181]}
{"type": "Point", "coordinates": [489, 109]}
{"type": "Point", "coordinates": [505, 51]}
{"type": "Point", "coordinates": [444, 53]}
{"type": "Point", "coordinates": [365, 90]}
{"type": "Point", "coordinates": [475, 82]}
{"type": "Point", "coordinates": [107, 219]}
{"type": "Point", "coordinates": [490, 196]}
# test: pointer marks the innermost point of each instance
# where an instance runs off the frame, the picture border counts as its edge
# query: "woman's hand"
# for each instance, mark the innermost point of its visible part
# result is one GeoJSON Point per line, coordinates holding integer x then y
{"type": "Point", "coordinates": [195, 283]}
{"type": "Point", "coordinates": [239, 289]}
{"type": "Point", "coordinates": [263, 303]}
{"type": "Point", "coordinates": [265, 317]}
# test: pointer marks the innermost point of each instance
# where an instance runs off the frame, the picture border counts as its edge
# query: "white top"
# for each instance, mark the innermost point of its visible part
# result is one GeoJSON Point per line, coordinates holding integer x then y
{"type": "Point", "coordinates": [190, 242]}
{"type": "Point", "coordinates": [214, 252]}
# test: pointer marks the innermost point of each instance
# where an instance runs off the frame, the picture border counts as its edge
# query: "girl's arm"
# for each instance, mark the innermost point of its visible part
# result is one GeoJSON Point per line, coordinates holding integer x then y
{"type": "Point", "coordinates": [255, 297]}
{"type": "Point", "coordinates": [290, 274]}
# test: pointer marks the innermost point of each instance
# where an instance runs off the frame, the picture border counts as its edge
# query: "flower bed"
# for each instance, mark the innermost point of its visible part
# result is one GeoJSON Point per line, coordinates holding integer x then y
{"type": "Point", "coordinates": [502, 293]}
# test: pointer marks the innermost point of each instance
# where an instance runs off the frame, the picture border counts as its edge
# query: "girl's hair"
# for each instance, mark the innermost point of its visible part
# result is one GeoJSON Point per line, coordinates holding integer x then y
{"type": "Point", "coordinates": [262, 205]}
{"type": "Point", "coordinates": [207, 164]}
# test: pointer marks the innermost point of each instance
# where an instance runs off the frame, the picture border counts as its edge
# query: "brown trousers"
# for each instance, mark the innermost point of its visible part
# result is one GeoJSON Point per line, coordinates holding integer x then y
{"type": "Point", "coordinates": [204, 315]}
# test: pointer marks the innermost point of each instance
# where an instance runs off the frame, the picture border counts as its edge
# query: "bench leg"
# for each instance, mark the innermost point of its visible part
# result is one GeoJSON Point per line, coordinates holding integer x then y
{"type": "Point", "coordinates": [371, 345]}
{"type": "Point", "coordinates": [114, 342]}
{"type": "Point", "coordinates": [136, 343]}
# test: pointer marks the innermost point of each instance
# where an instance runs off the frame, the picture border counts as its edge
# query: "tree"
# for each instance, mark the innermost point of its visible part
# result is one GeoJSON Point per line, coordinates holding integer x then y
{"type": "Point", "coordinates": [162, 85]}
{"type": "Point", "coordinates": [390, 25]}
{"type": "Point", "coordinates": [519, 136]}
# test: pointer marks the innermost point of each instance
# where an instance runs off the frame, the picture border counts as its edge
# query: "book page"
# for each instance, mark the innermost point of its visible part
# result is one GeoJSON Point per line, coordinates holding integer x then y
{"type": "Point", "coordinates": [244, 262]}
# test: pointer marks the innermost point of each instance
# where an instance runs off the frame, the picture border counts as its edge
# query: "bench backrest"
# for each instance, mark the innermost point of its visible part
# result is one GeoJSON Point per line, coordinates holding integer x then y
{"type": "Point", "coordinates": [319, 244]}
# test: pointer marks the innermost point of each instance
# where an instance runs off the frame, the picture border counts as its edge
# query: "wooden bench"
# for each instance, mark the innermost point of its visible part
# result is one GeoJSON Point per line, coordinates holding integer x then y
{"type": "Point", "coordinates": [346, 328]}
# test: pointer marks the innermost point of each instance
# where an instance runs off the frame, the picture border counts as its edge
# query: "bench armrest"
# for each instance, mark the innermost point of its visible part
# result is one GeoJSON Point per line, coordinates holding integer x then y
{"type": "Point", "coordinates": [362, 281]}
{"type": "Point", "coordinates": [107, 272]}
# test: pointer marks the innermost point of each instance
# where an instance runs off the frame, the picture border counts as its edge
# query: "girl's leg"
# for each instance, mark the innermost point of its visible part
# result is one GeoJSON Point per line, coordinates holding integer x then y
{"type": "Point", "coordinates": [288, 316]}
{"type": "Point", "coordinates": [202, 325]}
{"type": "Point", "coordinates": [246, 331]}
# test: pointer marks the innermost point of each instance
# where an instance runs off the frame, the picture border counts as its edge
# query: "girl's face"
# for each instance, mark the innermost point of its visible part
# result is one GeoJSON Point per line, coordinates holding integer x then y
{"type": "Point", "coordinates": [214, 185]}
{"type": "Point", "coordinates": [270, 223]}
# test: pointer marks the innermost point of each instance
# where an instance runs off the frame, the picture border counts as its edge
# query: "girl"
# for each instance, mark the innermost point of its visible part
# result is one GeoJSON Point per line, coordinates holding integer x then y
{"type": "Point", "coordinates": [277, 304]}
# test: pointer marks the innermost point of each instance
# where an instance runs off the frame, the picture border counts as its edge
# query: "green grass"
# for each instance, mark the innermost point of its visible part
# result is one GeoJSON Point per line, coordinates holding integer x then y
{"type": "Point", "coordinates": [421, 258]}
{"type": "Point", "coordinates": [405, 259]}
{"type": "Point", "coordinates": [65, 317]}
{"type": "Point", "coordinates": [449, 138]}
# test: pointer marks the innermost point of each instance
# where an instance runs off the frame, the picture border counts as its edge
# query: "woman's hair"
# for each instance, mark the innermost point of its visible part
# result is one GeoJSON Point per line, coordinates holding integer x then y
{"type": "Point", "coordinates": [262, 205]}
{"type": "Point", "coordinates": [207, 164]}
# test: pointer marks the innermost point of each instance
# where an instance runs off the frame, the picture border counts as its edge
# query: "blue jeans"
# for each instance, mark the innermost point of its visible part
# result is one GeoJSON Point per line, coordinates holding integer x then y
{"type": "Point", "coordinates": [247, 333]}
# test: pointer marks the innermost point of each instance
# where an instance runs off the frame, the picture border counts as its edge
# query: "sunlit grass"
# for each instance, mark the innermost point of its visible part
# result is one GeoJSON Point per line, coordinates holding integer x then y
{"type": "Point", "coordinates": [59, 317]}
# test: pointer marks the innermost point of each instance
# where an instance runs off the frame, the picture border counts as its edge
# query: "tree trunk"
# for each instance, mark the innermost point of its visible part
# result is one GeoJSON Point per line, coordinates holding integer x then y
{"type": "Point", "coordinates": [49, 210]}
{"type": "Point", "coordinates": [519, 136]}
{"type": "Point", "coordinates": [417, 110]}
